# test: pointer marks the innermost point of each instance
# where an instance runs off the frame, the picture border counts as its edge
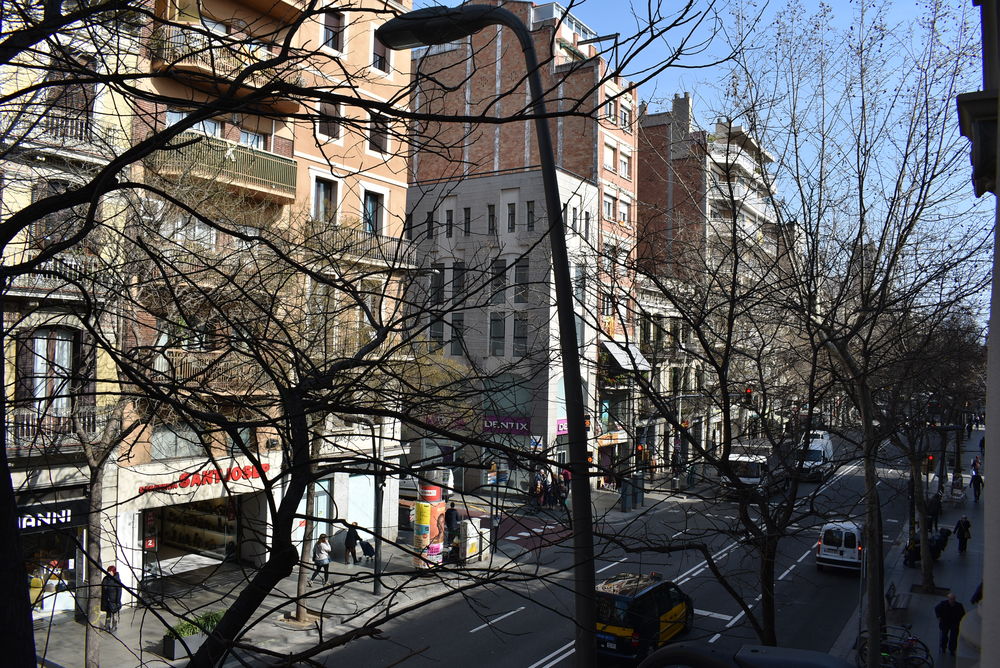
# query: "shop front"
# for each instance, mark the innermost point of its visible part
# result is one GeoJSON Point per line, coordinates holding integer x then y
{"type": "Point", "coordinates": [52, 534]}
{"type": "Point", "coordinates": [182, 521]}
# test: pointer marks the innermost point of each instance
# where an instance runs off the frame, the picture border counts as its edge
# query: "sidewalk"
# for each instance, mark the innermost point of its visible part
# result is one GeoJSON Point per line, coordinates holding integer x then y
{"type": "Point", "coordinates": [960, 573]}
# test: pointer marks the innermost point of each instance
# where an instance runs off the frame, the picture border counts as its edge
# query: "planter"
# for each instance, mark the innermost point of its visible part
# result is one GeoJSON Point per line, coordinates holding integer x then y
{"type": "Point", "coordinates": [173, 648]}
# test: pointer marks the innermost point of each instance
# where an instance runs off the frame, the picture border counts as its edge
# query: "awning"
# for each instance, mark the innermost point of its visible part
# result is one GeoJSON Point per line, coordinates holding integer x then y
{"type": "Point", "coordinates": [627, 356]}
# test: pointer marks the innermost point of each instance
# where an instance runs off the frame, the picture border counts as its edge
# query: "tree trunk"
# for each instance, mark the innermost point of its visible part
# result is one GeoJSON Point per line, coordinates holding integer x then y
{"type": "Point", "coordinates": [92, 639]}
{"type": "Point", "coordinates": [301, 613]}
{"type": "Point", "coordinates": [875, 615]}
{"type": "Point", "coordinates": [768, 555]}
{"type": "Point", "coordinates": [17, 636]}
{"type": "Point", "coordinates": [920, 501]}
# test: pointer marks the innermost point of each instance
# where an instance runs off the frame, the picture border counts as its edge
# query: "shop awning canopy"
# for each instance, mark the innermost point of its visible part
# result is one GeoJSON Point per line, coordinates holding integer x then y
{"type": "Point", "coordinates": [627, 356]}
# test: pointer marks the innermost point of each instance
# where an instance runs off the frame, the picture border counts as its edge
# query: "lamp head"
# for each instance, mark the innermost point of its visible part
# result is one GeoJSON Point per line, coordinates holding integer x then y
{"type": "Point", "coordinates": [437, 25]}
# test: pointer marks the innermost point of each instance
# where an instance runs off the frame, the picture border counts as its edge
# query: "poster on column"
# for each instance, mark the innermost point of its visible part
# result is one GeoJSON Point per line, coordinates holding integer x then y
{"type": "Point", "coordinates": [436, 548]}
{"type": "Point", "coordinates": [421, 532]}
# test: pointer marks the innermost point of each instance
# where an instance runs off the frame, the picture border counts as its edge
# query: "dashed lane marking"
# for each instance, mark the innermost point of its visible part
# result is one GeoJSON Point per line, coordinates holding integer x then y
{"type": "Point", "coordinates": [494, 621]}
{"type": "Point", "coordinates": [615, 563]}
{"type": "Point", "coordinates": [713, 615]}
{"type": "Point", "coordinates": [715, 637]}
{"type": "Point", "coordinates": [562, 650]}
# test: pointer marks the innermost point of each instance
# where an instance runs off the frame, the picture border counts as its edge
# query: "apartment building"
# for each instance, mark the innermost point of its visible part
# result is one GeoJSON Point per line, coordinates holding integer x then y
{"type": "Point", "coordinates": [704, 196]}
{"type": "Point", "coordinates": [266, 202]}
{"type": "Point", "coordinates": [477, 210]}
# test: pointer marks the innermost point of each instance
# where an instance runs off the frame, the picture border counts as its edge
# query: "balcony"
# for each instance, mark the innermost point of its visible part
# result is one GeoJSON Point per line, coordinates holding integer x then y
{"type": "Point", "coordinates": [60, 277]}
{"type": "Point", "coordinates": [213, 159]}
{"type": "Point", "coordinates": [226, 371]}
{"type": "Point", "coordinates": [30, 434]}
{"type": "Point", "coordinates": [43, 128]}
{"type": "Point", "coordinates": [215, 63]}
{"type": "Point", "coordinates": [360, 245]}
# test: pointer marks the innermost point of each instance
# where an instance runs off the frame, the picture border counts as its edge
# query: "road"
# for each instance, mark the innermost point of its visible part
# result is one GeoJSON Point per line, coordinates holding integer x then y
{"type": "Point", "coordinates": [524, 620]}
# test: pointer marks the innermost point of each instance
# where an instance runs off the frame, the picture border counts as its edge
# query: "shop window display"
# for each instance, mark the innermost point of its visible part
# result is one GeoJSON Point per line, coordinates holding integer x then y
{"type": "Point", "coordinates": [50, 562]}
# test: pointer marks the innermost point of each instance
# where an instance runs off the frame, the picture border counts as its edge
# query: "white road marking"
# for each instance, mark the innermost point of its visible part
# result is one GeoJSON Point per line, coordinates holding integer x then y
{"type": "Point", "coordinates": [494, 621]}
{"type": "Point", "coordinates": [512, 537]}
{"type": "Point", "coordinates": [715, 637]}
{"type": "Point", "coordinates": [734, 620]}
{"type": "Point", "coordinates": [713, 615]}
{"type": "Point", "coordinates": [524, 534]}
{"type": "Point", "coordinates": [787, 571]}
{"type": "Point", "coordinates": [622, 560]}
{"type": "Point", "coordinates": [541, 663]}
{"type": "Point", "coordinates": [892, 520]}
{"type": "Point", "coordinates": [804, 555]}
{"type": "Point", "coordinates": [678, 533]}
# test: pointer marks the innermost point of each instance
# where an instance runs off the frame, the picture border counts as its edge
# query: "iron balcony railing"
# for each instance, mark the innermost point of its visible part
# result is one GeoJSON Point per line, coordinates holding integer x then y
{"type": "Point", "coordinates": [183, 46]}
{"type": "Point", "coordinates": [43, 126]}
{"type": "Point", "coordinates": [220, 370]}
{"type": "Point", "coordinates": [58, 275]}
{"type": "Point", "coordinates": [339, 240]}
{"type": "Point", "coordinates": [211, 158]}
{"type": "Point", "coordinates": [31, 433]}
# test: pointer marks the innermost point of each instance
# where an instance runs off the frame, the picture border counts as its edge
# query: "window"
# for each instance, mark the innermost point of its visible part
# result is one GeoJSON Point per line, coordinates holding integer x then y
{"type": "Point", "coordinates": [466, 221]}
{"type": "Point", "coordinates": [609, 207]}
{"type": "Point", "coordinates": [625, 165]}
{"type": "Point", "coordinates": [586, 224]}
{"type": "Point", "coordinates": [521, 268]}
{"type": "Point", "coordinates": [529, 214]}
{"type": "Point", "coordinates": [208, 126]}
{"type": "Point", "coordinates": [45, 367]}
{"type": "Point", "coordinates": [324, 200]}
{"type": "Point", "coordinates": [242, 244]}
{"type": "Point", "coordinates": [408, 226]}
{"type": "Point", "coordinates": [511, 217]}
{"type": "Point", "coordinates": [253, 139]}
{"type": "Point", "coordinates": [574, 219]}
{"type": "Point", "coordinates": [69, 112]}
{"type": "Point", "coordinates": [624, 212]}
{"type": "Point", "coordinates": [449, 222]}
{"type": "Point", "coordinates": [55, 226]}
{"type": "Point", "coordinates": [625, 118]}
{"type": "Point", "coordinates": [498, 325]}
{"type": "Point", "coordinates": [437, 331]}
{"type": "Point", "coordinates": [430, 224]}
{"type": "Point", "coordinates": [333, 30]}
{"type": "Point", "coordinates": [187, 229]}
{"type": "Point", "coordinates": [328, 125]}
{"type": "Point", "coordinates": [457, 333]}
{"type": "Point", "coordinates": [378, 137]}
{"type": "Point", "coordinates": [607, 304]}
{"type": "Point", "coordinates": [609, 111]}
{"type": "Point", "coordinates": [437, 283]}
{"type": "Point", "coordinates": [457, 282]}
{"type": "Point", "coordinates": [175, 440]}
{"type": "Point", "coordinates": [380, 55]}
{"type": "Point", "coordinates": [491, 218]}
{"type": "Point", "coordinates": [245, 442]}
{"type": "Point", "coordinates": [520, 338]}
{"type": "Point", "coordinates": [372, 214]}
{"type": "Point", "coordinates": [609, 157]}
{"type": "Point", "coordinates": [499, 281]}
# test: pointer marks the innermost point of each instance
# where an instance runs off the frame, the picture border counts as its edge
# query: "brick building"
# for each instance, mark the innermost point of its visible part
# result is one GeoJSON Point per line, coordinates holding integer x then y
{"type": "Point", "coordinates": [477, 211]}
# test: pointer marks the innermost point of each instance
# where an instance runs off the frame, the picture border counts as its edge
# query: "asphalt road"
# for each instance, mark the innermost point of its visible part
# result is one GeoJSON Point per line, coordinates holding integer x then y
{"type": "Point", "coordinates": [526, 619]}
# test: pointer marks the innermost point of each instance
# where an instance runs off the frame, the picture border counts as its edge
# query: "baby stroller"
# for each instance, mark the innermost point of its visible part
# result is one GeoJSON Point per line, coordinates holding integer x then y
{"type": "Point", "coordinates": [367, 550]}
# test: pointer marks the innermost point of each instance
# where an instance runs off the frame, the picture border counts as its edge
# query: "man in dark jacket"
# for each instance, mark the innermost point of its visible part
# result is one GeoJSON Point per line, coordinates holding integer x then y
{"type": "Point", "coordinates": [351, 543]}
{"type": "Point", "coordinates": [977, 485]}
{"type": "Point", "coordinates": [111, 598]}
{"type": "Point", "coordinates": [949, 613]}
{"type": "Point", "coordinates": [451, 523]}
{"type": "Point", "coordinates": [963, 532]}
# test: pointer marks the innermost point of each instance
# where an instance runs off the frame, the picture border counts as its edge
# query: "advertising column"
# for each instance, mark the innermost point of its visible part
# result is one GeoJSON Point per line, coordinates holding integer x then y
{"type": "Point", "coordinates": [428, 527]}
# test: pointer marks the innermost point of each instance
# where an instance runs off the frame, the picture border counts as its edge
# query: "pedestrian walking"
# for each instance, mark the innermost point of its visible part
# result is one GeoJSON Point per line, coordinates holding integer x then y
{"type": "Point", "coordinates": [351, 542]}
{"type": "Point", "coordinates": [111, 598]}
{"type": "Point", "coordinates": [949, 613]}
{"type": "Point", "coordinates": [976, 464]}
{"type": "Point", "coordinates": [933, 511]}
{"type": "Point", "coordinates": [451, 523]}
{"type": "Point", "coordinates": [977, 486]}
{"type": "Point", "coordinates": [321, 559]}
{"type": "Point", "coordinates": [963, 532]}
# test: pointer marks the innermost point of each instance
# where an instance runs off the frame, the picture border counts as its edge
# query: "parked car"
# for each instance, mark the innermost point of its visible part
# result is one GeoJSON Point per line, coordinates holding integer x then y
{"type": "Point", "coordinates": [840, 545]}
{"type": "Point", "coordinates": [637, 613]}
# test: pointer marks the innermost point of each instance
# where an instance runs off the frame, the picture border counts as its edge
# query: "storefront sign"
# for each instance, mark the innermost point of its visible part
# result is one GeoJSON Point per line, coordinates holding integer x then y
{"type": "Point", "coordinates": [496, 424]}
{"type": "Point", "coordinates": [149, 543]}
{"type": "Point", "coordinates": [208, 477]}
{"type": "Point", "coordinates": [562, 425]}
{"type": "Point", "coordinates": [46, 516]}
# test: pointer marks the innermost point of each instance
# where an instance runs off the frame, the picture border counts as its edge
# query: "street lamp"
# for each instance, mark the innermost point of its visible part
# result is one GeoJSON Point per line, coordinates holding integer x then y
{"type": "Point", "coordinates": [440, 25]}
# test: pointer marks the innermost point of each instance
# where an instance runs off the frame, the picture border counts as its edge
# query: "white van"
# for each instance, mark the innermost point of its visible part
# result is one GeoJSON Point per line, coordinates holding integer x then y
{"type": "Point", "coordinates": [817, 455]}
{"type": "Point", "coordinates": [840, 546]}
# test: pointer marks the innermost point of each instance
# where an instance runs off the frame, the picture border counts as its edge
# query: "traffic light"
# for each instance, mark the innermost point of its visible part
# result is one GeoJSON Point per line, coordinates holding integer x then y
{"type": "Point", "coordinates": [748, 395]}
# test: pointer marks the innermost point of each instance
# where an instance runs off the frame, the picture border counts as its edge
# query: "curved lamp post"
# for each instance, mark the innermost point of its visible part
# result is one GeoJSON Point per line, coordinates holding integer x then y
{"type": "Point", "coordinates": [440, 25]}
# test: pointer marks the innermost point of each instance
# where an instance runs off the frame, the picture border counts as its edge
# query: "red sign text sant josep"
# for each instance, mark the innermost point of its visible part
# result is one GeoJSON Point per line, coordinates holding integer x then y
{"type": "Point", "coordinates": [208, 477]}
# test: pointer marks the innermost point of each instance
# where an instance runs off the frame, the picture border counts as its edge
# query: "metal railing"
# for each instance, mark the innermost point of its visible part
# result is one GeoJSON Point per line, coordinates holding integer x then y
{"type": "Point", "coordinates": [221, 370]}
{"type": "Point", "coordinates": [356, 242]}
{"type": "Point", "coordinates": [57, 275]}
{"type": "Point", "coordinates": [43, 125]}
{"type": "Point", "coordinates": [33, 434]}
{"type": "Point", "coordinates": [212, 158]}
{"type": "Point", "coordinates": [224, 57]}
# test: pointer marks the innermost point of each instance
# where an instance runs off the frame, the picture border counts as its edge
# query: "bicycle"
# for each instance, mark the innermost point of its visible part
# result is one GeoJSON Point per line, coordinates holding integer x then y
{"type": "Point", "coordinates": [898, 648]}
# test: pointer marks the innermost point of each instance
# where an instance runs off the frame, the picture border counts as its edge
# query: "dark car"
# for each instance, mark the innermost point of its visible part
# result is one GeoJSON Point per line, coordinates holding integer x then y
{"type": "Point", "coordinates": [638, 613]}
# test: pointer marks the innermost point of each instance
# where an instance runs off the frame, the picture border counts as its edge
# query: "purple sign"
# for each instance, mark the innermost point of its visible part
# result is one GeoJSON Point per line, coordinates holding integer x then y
{"type": "Point", "coordinates": [562, 426]}
{"type": "Point", "coordinates": [497, 424]}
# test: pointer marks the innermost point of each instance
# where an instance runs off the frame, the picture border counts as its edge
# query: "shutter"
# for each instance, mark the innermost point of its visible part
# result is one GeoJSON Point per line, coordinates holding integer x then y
{"type": "Point", "coordinates": [23, 386]}
{"type": "Point", "coordinates": [84, 370]}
